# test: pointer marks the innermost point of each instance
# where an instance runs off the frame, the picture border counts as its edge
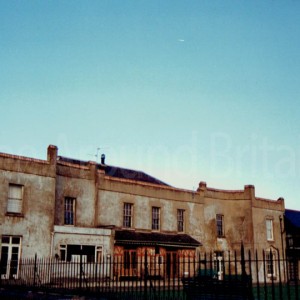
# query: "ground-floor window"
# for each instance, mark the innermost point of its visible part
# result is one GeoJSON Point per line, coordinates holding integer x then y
{"type": "Point", "coordinates": [156, 262]}
{"type": "Point", "coordinates": [219, 264]}
{"type": "Point", "coordinates": [85, 253]}
{"type": "Point", "coordinates": [130, 262]}
{"type": "Point", "coordinates": [10, 256]}
{"type": "Point", "coordinates": [271, 263]}
{"type": "Point", "coordinates": [293, 269]}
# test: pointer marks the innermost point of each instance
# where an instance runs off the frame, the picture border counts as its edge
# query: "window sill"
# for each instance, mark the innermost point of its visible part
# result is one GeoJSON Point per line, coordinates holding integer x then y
{"type": "Point", "coordinates": [221, 236]}
{"type": "Point", "coordinates": [11, 214]}
{"type": "Point", "coordinates": [128, 228]}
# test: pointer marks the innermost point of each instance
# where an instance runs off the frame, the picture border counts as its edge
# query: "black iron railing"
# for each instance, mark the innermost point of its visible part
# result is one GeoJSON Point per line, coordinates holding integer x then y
{"type": "Point", "coordinates": [242, 275]}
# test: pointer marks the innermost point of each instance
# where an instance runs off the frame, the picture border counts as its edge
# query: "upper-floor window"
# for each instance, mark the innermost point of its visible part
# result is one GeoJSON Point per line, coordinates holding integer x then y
{"type": "Point", "coordinates": [127, 215]}
{"type": "Point", "coordinates": [220, 225]}
{"type": "Point", "coordinates": [180, 220]}
{"type": "Point", "coordinates": [69, 211]}
{"type": "Point", "coordinates": [155, 218]}
{"type": "Point", "coordinates": [15, 199]}
{"type": "Point", "coordinates": [269, 227]}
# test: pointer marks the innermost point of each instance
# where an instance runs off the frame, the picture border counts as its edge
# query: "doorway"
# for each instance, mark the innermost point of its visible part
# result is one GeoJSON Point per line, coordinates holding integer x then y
{"type": "Point", "coordinates": [171, 264]}
{"type": "Point", "coordinates": [10, 255]}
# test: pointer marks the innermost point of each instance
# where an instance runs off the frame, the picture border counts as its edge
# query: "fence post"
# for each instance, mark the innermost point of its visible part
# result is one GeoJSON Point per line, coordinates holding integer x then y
{"type": "Point", "coordinates": [146, 274]}
{"type": "Point", "coordinates": [272, 273]}
{"type": "Point", "coordinates": [80, 270]}
{"type": "Point", "coordinates": [243, 262]}
{"type": "Point", "coordinates": [34, 269]}
{"type": "Point", "coordinates": [279, 275]}
{"type": "Point", "coordinates": [1, 268]}
{"type": "Point", "coordinates": [296, 275]}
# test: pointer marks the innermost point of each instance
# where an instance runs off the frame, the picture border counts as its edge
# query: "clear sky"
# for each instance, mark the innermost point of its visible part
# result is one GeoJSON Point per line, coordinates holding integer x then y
{"type": "Point", "coordinates": [186, 91]}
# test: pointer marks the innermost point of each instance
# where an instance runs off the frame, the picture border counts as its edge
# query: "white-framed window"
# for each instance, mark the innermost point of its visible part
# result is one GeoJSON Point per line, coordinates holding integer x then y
{"type": "Point", "coordinates": [10, 256]}
{"type": "Point", "coordinates": [180, 220]}
{"type": "Point", "coordinates": [269, 228]}
{"type": "Point", "coordinates": [63, 252]}
{"type": "Point", "coordinates": [270, 256]}
{"type": "Point", "coordinates": [15, 199]}
{"type": "Point", "coordinates": [220, 225]}
{"type": "Point", "coordinates": [155, 218]}
{"type": "Point", "coordinates": [127, 215]}
{"type": "Point", "coordinates": [99, 254]}
{"type": "Point", "coordinates": [75, 252]}
{"type": "Point", "coordinates": [69, 211]}
{"type": "Point", "coordinates": [219, 264]}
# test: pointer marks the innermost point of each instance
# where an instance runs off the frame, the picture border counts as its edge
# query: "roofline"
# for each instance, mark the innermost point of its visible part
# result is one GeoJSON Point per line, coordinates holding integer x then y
{"type": "Point", "coordinates": [293, 210]}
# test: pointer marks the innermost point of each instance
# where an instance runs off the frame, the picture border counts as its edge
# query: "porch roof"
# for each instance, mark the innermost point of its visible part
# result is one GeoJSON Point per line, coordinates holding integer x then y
{"type": "Point", "coordinates": [128, 237]}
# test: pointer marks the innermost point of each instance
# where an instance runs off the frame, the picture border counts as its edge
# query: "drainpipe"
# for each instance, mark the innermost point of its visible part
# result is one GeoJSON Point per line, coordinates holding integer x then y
{"type": "Point", "coordinates": [52, 242]}
{"type": "Point", "coordinates": [282, 247]}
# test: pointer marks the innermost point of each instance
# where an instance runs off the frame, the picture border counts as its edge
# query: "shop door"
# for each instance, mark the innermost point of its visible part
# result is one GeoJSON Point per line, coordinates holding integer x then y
{"type": "Point", "coordinates": [171, 264]}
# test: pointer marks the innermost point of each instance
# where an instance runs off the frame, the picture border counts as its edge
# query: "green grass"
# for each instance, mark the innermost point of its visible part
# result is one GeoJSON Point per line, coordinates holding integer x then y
{"type": "Point", "coordinates": [285, 292]}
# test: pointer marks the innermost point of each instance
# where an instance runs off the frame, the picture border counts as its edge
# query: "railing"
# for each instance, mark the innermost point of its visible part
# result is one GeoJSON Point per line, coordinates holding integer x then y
{"type": "Point", "coordinates": [207, 276]}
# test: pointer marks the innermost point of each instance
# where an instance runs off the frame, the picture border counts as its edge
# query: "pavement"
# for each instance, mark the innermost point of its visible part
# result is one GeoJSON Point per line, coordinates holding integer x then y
{"type": "Point", "coordinates": [14, 294]}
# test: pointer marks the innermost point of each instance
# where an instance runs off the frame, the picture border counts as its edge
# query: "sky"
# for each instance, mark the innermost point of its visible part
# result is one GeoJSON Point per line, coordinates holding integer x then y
{"type": "Point", "coordinates": [186, 91]}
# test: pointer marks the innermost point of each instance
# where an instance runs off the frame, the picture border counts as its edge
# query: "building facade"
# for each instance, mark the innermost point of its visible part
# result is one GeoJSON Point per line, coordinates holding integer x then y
{"type": "Point", "coordinates": [71, 209]}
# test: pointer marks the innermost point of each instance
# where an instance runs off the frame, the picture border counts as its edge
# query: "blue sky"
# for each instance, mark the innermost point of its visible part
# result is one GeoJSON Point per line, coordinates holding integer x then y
{"type": "Point", "coordinates": [187, 91]}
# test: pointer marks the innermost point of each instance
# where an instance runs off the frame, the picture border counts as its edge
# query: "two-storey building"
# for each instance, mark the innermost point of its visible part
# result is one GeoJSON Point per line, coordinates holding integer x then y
{"type": "Point", "coordinates": [67, 208]}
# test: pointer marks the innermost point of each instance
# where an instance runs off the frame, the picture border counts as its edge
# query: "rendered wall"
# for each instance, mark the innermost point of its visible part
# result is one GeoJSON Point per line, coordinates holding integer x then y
{"type": "Point", "coordinates": [114, 193]}
{"type": "Point", "coordinates": [35, 224]}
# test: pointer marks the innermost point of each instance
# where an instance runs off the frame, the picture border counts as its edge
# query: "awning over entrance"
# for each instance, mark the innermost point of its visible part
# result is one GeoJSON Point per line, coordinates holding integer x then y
{"type": "Point", "coordinates": [127, 237]}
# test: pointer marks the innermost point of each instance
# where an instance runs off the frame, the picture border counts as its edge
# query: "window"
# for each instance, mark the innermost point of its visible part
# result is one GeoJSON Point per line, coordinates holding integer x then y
{"type": "Point", "coordinates": [155, 264]}
{"type": "Point", "coordinates": [99, 254]}
{"type": "Point", "coordinates": [290, 242]}
{"type": "Point", "coordinates": [63, 251]}
{"type": "Point", "coordinates": [155, 218]}
{"type": "Point", "coordinates": [87, 253]}
{"type": "Point", "coordinates": [69, 211]}
{"type": "Point", "coordinates": [15, 199]}
{"type": "Point", "coordinates": [220, 225]}
{"type": "Point", "coordinates": [127, 215]}
{"type": "Point", "coordinates": [10, 255]}
{"type": "Point", "coordinates": [130, 260]}
{"type": "Point", "coordinates": [180, 220]}
{"type": "Point", "coordinates": [219, 264]}
{"type": "Point", "coordinates": [293, 270]}
{"type": "Point", "coordinates": [271, 263]}
{"type": "Point", "coordinates": [269, 226]}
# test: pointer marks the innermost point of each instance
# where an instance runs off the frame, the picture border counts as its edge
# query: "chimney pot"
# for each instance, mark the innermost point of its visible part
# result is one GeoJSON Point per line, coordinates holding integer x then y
{"type": "Point", "coordinates": [103, 159]}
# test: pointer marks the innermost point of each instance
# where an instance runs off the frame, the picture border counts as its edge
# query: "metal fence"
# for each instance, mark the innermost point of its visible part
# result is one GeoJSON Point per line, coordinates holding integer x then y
{"type": "Point", "coordinates": [208, 276]}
